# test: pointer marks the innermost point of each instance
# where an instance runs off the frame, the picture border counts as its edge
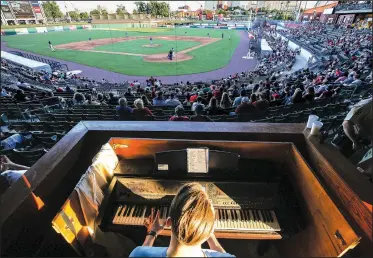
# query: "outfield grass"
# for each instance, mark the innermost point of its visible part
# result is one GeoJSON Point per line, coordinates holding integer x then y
{"type": "Point", "coordinates": [136, 46]}
{"type": "Point", "coordinates": [206, 58]}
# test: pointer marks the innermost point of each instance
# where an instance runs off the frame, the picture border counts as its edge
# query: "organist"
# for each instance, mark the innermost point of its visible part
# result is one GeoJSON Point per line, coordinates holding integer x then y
{"type": "Point", "coordinates": [192, 219]}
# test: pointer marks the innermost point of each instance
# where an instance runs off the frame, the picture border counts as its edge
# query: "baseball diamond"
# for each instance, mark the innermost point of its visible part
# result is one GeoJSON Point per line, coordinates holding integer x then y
{"type": "Point", "coordinates": [130, 52]}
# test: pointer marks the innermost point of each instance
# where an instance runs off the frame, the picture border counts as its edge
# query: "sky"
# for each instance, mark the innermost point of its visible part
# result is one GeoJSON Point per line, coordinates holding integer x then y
{"type": "Point", "coordinates": [111, 6]}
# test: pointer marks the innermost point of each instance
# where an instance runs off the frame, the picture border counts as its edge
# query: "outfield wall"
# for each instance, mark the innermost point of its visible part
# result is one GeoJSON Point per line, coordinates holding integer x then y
{"type": "Point", "coordinates": [31, 30]}
{"type": "Point", "coordinates": [22, 31]}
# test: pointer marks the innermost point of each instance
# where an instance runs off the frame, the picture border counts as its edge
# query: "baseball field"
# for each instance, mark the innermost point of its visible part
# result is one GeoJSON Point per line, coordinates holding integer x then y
{"type": "Point", "coordinates": [130, 51]}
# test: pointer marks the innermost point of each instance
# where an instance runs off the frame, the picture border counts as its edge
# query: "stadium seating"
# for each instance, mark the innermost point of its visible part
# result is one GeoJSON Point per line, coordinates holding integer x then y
{"type": "Point", "coordinates": [46, 109]}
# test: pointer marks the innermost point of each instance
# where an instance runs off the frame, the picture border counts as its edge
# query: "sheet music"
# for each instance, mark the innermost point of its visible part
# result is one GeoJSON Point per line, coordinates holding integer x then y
{"type": "Point", "coordinates": [197, 160]}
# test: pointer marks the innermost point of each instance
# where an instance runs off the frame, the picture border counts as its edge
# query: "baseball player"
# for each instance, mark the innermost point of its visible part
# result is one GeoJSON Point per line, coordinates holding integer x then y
{"type": "Point", "coordinates": [208, 34]}
{"type": "Point", "coordinates": [151, 41]}
{"type": "Point", "coordinates": [50, 45]}
{"type": "Point", "coordinates": [222, 35]}
{"type": "Point", "coordinates": [126, 34]}
{"type": "Point", "coordinates": [229, 37]}
{"type": "Point", "coordinates": [90, 39]}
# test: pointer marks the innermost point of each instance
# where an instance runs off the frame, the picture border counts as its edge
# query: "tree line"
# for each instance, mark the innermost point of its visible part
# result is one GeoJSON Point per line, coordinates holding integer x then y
{"type": "Point", "coordinates": [52, 10]}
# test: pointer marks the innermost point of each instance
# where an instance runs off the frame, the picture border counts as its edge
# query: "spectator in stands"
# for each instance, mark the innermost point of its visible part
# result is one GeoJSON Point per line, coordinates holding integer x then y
{"type": "Point", "coordinates": [124, 112]}
{"type": "Point", "coordinates": [342, 78]}
{"type": "Point", "coordinates": [4, 93]}
{"type": "Point", "coordinates": [213, 108]}
{"type": "Point", "coordinates": [198, 102]}
{"type": "Point", "coordinates": [218, 93]}
{"type": "Point", "coordinates": [20, 96]}
{"type": "Point", "coordinates": [113, 100]}
{"type": "Point", "coordinates": [235, 92]}
{"type": "Point", "coordinates": [140, 90]}
{"type": "Point", "coordinates": [199, 117]}
{"type": "Point", "coordinates": [321, 89]}
{"type": "Point", "coordinates": [10, 172]}
{"type": "Point", "coordinates": [356, 81]}
{"type": "Point", "coordinates": [358, 123]}
{"type": "Point", "coordinates": [159, 100]}
{"type": "Point", "coordinates": [145, 100]}
{"type": "Point", "coordinates": [100, 99]}
{"type": "Point", "coordinates": [128, 93]}
{"type": "Point", "coordinates": [297, 96]}
{"type": "Point", "coordinates": [78, 98]}
{"type": "Point", "coordinates": [238, 100]}
{"type": "Point", "coordinates": [310, 95]}
{"type": "Point", "coordinates": [187, 100]}
{"type": "Point", "coordinates": [140, 112]}
{"type": "Point", "coordinates": [68, 89]}
{"type": "Point", "coordinates": [172, 101]}
{"type": "Point", "coordinates": [262, 103]}
{"type": "Point", "coordinates": [178, 93]}
{"type": "Point", "coordinates": [179, 114]}
{"type": "Point", "coordinates": [225, 102]}
{"type": "Point", "coordinates": [191, 204]}
{"type": "Point", "coordinates": [89, 101]}
{"type": "Point", "coordinates": [245, 107]}
{"type": "Point", "coordinates": [253, 98]}
{"type": "Point", "coordinates": [206, 89]}
{"type": "Point", "coordinates": [326, 94]}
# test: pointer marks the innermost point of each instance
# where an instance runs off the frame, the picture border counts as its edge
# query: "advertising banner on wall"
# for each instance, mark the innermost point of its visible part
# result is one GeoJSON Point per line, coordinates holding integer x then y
{"type": "Point", "coordinates": [41, 29]}
{"type": "Point", "coordinates": [58, 28]}
{"type": "Point", "coordinates": [21, 30]}
{"type": "Point", "coordinates": [22, 9]}
{"type": "Point", "coordinates": [6, 10]}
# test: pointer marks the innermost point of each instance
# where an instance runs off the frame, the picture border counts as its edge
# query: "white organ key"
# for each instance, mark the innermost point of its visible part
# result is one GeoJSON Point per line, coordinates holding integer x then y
{"type": "Point", "coordinates": [117, 214]}
{"type": "Point", "coordinates": [120, 219]}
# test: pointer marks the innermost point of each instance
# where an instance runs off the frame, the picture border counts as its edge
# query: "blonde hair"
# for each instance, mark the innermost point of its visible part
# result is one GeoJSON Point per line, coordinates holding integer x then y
{"type": "Point", "coordinates": [139, 103]}
{"type": "Point", "coordinates": [225, 101]}
{"type": "Point", "coordinates": [192, 215]}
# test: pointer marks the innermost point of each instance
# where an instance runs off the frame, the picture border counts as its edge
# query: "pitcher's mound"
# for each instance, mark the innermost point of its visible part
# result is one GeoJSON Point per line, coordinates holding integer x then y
{"type": "Point", "coordinates": [151, 45]}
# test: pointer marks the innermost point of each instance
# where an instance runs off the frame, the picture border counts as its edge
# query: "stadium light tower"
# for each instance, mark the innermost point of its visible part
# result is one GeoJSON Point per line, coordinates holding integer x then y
{"type": "Point", "coordinates": [67, 13]}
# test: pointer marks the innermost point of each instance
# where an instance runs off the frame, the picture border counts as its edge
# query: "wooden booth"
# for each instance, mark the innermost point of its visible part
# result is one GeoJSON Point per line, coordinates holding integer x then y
{"type": "Point", "coordinates": [274, 183]}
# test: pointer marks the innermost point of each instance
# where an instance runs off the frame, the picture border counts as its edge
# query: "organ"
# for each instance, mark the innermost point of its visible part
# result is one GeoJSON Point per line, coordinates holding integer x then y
{"type": "Point", "coordinates": [280, 190]}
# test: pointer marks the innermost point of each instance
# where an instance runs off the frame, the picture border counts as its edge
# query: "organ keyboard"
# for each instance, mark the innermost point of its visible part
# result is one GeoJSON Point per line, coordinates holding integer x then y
{"type": "Point", "coordinates": [244, 210]}
{"type": "Point", "coordinates": [246, 220]}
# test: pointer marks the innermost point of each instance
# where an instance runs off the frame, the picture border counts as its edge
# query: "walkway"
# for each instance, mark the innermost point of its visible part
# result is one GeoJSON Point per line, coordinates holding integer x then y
{"type": "Point", "coordinates": [236, 65]}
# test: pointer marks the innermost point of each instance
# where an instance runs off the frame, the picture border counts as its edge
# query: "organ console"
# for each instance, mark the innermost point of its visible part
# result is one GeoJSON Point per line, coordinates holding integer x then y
{"type": "Point", "coordinates": [102, 179]}
{"type": "Point", "coordinates": [241, 211]}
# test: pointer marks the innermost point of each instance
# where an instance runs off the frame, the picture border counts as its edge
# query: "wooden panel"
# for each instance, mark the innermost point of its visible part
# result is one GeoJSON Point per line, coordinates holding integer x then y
{"type": "Point", "coordinates": [130, 148]}
{"type": "Point", "coordinates": [344, 182]}
{"type": "Point", "coordinates": [323, 217]}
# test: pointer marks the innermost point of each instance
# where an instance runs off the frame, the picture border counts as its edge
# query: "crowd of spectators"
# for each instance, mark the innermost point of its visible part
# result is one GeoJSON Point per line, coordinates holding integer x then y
{"type": "Point", "coordinates": [266, 85]}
